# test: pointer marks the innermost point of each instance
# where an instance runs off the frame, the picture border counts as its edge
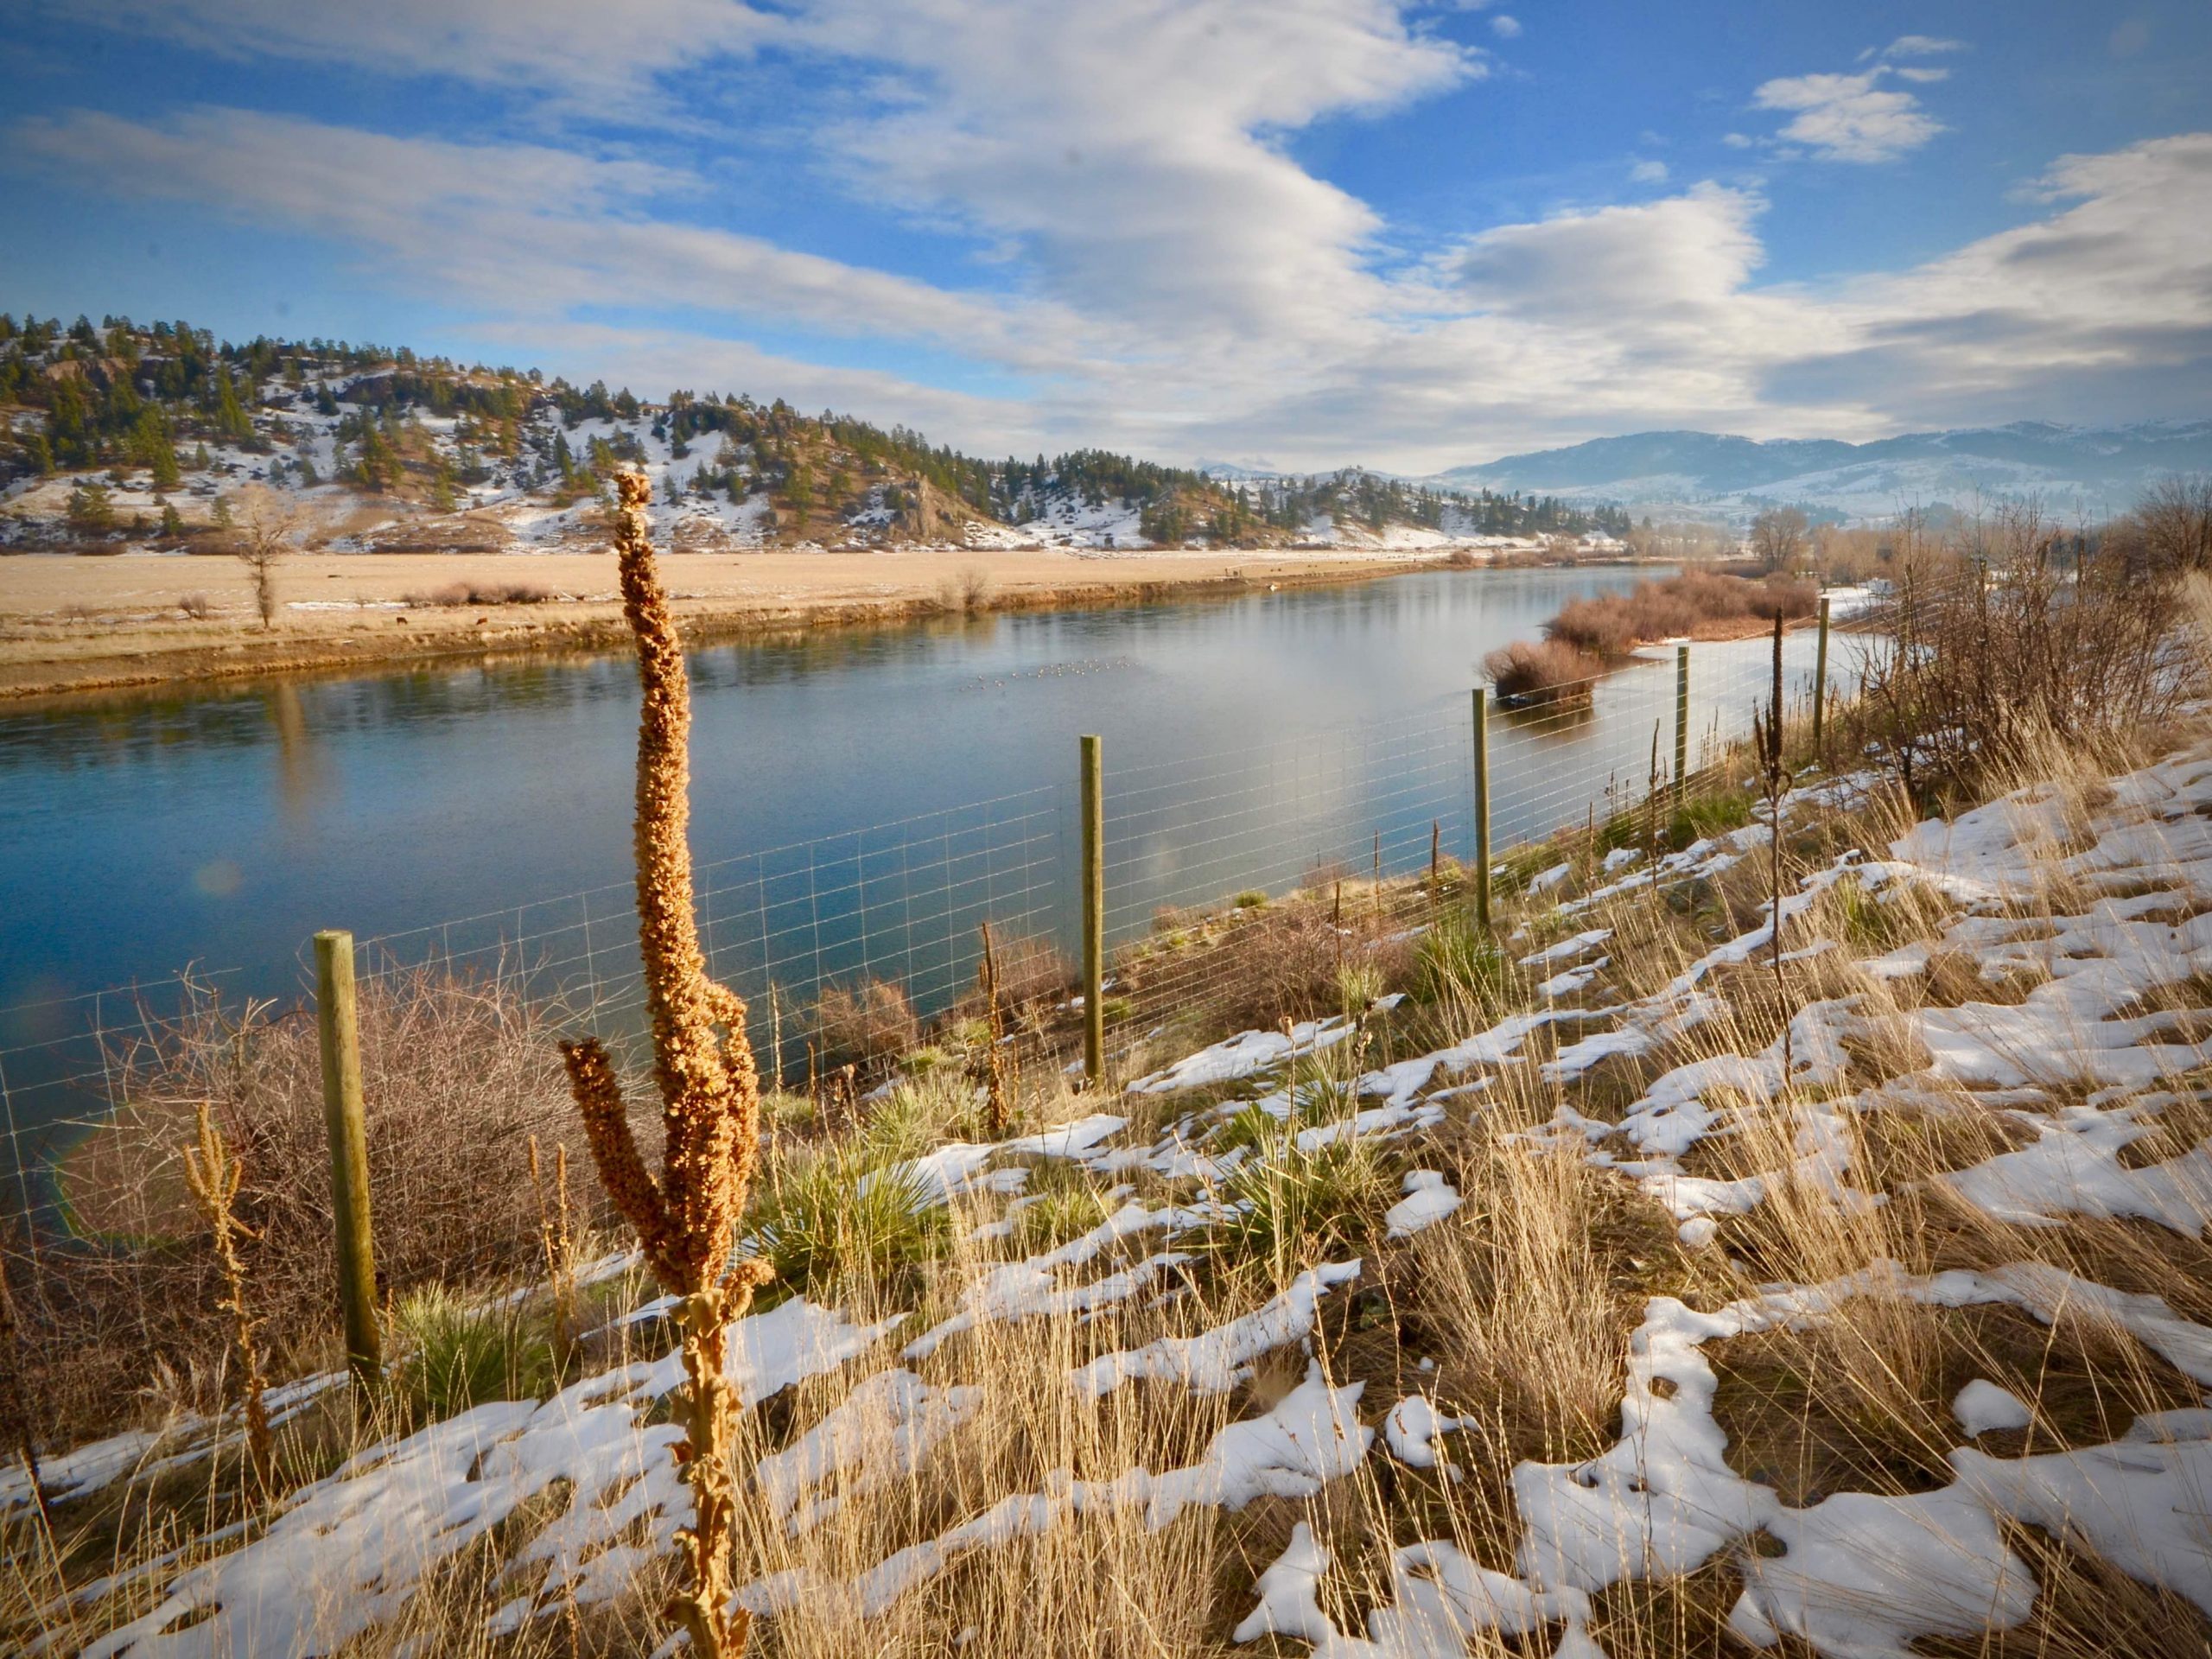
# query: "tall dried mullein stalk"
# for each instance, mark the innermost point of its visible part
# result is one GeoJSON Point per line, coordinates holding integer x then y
{"type": "Point", "coordinates": [1774, 783]}
{"type": "Point", "coordinates": [213, 1176]}
{"type": "Point", "coordinates": [686, 1220]}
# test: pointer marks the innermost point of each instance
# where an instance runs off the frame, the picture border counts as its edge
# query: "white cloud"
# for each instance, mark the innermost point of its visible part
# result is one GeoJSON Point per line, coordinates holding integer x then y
{"type": "Point", "coordinates": [1737, 140]}
{"type": "Point", "coordinates": [1505, 28]}
{"type": "Point", "coordinates": [1170, 279]}
{"type": "Point", "coordinates": [2101, 311]}
{"type": "Point", "coordinates": [1648, 173]}
{"type": "Point", "coordinates": [580, 49]}
{"type": "Point", "coordinates": [1914, 46]}
{"type": "Point", "coordinates": [1849, 118]}
{"type": "Point", "coordinates": [1665, 259]}
{"type": "Point", "coordinates": [1129, 151]}
{"type": "Point", "coordinates": [469, 218]}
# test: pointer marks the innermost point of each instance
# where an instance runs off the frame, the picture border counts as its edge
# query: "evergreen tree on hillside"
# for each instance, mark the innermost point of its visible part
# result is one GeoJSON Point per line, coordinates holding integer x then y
{"type": "Point", "coordinates": [227, 414]}
{"type": "Point", "coordinates": [91, 510]}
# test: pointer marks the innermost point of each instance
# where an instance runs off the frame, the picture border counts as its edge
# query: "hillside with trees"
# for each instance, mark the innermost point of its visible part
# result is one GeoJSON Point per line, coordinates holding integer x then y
{"type": "Point", "coordinates": [130, 434]}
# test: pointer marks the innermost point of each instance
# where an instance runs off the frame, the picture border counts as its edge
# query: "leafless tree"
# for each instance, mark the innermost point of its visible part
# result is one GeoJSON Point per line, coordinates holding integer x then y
{"type": "Point", "coordinates": [2174, 520]}
{"type": "Point", "coordinates": [1779, 536]}
{"type": "Point", "coordinates": [265, 528]}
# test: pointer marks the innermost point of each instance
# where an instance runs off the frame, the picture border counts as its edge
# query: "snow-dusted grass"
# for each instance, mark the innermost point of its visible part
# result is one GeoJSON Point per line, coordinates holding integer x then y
{"type": "Point", "coordinates": [1679, 1308]}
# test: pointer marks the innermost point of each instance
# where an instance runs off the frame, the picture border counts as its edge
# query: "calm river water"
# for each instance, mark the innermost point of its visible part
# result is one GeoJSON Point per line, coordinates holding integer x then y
{"type": "Point", "coordinates": [1245, 739]}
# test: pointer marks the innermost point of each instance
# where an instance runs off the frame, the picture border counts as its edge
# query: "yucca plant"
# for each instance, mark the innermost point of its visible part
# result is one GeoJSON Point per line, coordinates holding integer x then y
{"type": "Point", "coordinates": [686, 1220]}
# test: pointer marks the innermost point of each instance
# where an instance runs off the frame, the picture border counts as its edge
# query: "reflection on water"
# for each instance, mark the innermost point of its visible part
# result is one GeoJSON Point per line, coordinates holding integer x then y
{"type": "Point", "coordinates": [223, 825]}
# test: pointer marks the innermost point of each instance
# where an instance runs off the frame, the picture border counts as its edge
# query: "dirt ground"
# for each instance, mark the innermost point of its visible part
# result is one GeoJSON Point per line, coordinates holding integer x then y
{"type": "Point", "coordinates": [71, 622]}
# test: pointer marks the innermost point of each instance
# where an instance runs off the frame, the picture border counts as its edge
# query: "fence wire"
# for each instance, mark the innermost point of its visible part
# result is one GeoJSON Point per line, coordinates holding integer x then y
{"type": "Point", "coordinates": [900, 904]}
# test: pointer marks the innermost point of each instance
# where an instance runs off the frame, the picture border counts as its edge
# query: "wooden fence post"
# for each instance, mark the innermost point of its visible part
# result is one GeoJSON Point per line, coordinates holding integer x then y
{"type": "Point", "coordinates": [345, 1119]}
{"type": "Point", "coordinates": [1682, 723]}
{"type": "Point", "coordinates": [1094, 912]}
{"type": "Point", "coordinates": [1820, 676]}
{"type": "Point", "coordinates": [1481, 808]}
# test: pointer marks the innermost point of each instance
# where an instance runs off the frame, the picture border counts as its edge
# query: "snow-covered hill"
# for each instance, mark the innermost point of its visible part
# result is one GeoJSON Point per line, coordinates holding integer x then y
{"type": "Point", "coordinates": [128, 436]}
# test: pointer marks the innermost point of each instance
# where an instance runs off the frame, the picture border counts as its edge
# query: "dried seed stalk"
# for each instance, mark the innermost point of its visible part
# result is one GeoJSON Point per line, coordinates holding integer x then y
{"type": "Point", "coordinates": [213, 1176]}
{"type": "Point", "coordinates": [997, 1108]}
{"type": "Point", "coordinates": [686, 1220]}
{"type": "Point", "coordinates": [1774, 781]}
{"type": "Point", "coordinates": [559, 1245]}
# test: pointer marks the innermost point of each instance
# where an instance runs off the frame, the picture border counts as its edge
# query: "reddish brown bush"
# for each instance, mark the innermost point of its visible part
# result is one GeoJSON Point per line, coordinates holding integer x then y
{"type": "Point", "coordinates": [1696, 603]}
{"type": "Point", "coordinates": [1543, 671]}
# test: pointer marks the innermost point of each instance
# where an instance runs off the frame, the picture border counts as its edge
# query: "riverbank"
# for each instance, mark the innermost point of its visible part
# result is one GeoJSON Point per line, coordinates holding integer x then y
{"type": "Point", "coordinates": [72, 624]}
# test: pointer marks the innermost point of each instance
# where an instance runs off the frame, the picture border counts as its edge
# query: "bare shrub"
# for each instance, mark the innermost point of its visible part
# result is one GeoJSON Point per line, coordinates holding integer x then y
{"type": "Point", "coordinates": [1547, 670]}
{"type": "Point", "coordinates": [197, 606]}
{"type": "Point", "coordinates": [459, 593]}
{"type": "Point", "coordinates": [1030, 970]}
{"type": "Point", "coordinates": [968, 590]}
{"type": "Point", "coordinates": [458, 1074]}
{"type": "Point", "coordinates": [1694, 603]}
{"type": "Point", "coordinates": [1287, 961]}
{"type": "Point", "coordinates": [863, 1023]}
{"type": "Point", "coordinates": [2003, 644]}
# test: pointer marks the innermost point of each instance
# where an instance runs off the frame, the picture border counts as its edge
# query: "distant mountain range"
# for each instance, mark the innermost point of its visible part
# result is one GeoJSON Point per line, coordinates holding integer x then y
{"type": "Point", "coordinates": [2090, 470]}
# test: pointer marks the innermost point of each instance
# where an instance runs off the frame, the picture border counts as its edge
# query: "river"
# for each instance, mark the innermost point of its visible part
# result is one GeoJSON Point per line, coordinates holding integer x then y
{"type": "Point", "coordinates": [1245, 738]}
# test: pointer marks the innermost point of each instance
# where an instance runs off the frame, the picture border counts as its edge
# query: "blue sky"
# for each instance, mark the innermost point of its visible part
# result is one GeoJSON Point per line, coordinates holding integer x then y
{"type": "Point", "coordinates": [1304, 231]}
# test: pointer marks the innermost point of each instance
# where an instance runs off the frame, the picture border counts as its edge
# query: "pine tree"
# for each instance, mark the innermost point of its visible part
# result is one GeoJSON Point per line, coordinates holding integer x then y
{"type": "Point", "coordinates": [89, 508]}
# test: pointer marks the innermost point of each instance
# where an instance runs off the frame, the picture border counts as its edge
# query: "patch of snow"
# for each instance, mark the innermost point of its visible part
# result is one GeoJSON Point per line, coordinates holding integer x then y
{"type": "Point", "coordinates": [1429, 1198]}
{"type": "Point", "coordinates": [1982, 1408]}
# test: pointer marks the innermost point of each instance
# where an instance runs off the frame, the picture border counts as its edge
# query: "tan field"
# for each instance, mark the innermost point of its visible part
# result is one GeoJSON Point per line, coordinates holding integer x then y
{"type": "Point", "coordinates": [73, 623]}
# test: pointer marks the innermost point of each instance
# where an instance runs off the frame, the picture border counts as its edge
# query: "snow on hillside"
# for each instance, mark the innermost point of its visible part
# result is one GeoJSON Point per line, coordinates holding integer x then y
{"type": "Point", "coordinates": [523, 476]}
{"type": "Point", "coordinates": [2099, 470]}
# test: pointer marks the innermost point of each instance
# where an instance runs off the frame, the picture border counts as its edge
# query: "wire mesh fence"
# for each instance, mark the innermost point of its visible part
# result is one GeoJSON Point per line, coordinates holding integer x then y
{"type": "Point", "coordinates": [887, 917]}
{"type": "Point", "coordinates": [896, 905]}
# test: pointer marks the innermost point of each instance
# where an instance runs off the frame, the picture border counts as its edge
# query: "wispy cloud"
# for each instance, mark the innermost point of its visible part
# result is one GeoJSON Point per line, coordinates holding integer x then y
{"type": "Point", "coordinates": [590, 59]}
{"type": "Point", "coordinates": [1912, 46]}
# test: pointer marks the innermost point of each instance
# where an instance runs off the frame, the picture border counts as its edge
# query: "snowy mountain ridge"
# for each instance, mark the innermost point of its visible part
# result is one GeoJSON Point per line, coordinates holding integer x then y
{"type": "Point", "coordinates": [2095, 470]}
